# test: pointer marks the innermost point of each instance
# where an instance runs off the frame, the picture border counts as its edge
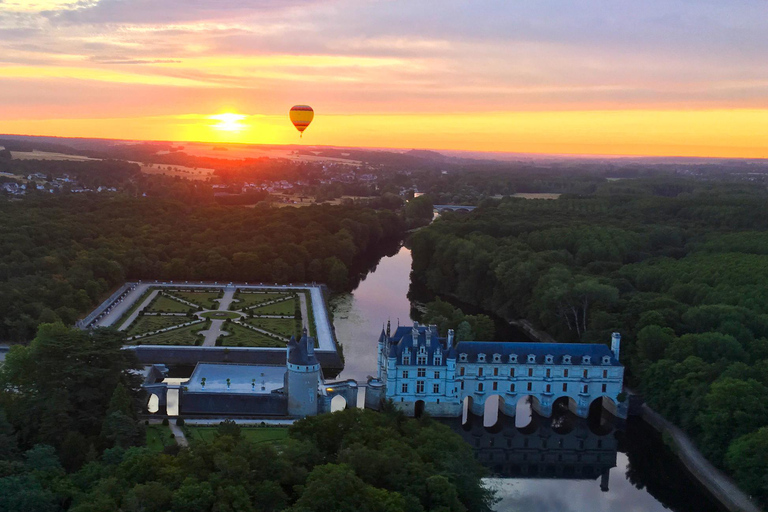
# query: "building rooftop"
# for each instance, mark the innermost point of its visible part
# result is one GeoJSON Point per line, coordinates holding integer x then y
{"type": "Point", "coordinates": [539, 351]}
{"type": "Point", "coordinates": [243, 378]}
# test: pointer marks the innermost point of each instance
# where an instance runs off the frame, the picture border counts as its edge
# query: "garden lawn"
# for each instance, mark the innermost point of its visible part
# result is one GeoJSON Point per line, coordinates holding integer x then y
{"type": "Point", "coordinates": [144, 324]}
{"type": "Point", "coordinates": [248, 299]}
{"type": "Point", "coordinates": [166, 304]}
{"type": "Point", "coordinates": [158, 437]}
{"type": "Point", "coordinates": [286, 307]}
{"type": "Point", "coordinates": [240, 336]}
{"type": "Point", "coordinates": [206, 299]}
{"type": "Point", "coordinates": [283, 326]}
{"type": "Point", "coordinates": [182, 336]}
{"type": "Point", "coordinates": [252, 434]}
{"type": "Point", "coordinates": [138, 302]}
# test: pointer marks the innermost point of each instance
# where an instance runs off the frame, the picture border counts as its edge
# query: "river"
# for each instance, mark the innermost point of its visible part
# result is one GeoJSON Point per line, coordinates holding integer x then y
{"type": "Point", "coordinates": [629, 469]}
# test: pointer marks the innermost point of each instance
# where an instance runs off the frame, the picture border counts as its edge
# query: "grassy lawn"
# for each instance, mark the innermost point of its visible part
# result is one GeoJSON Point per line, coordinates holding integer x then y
{"type": "Point", "coordinates": [168, 305]}
{"type": "Point", "coordinates": [310, 313]}
{"type": "Point", "coordinates": [183, 336]}
{"type": "Point", "coordinates": [282, 326]}
{"type": "Point", "coordinates": [286, 307]}
{"type": "Point", "coordinates": [243, 337]}
{"type": "Point", "coordinates": [158, 437]}
{"type": "Point", "coordinates": [253, 434]}
{"type": "Point", "coordinates": [220, 315]}
{"type": "Point", "coordinates": [247, 299]}
{"type": "Point", "coordinates": [205, 299]}
{"type": "Point", "coordinates": [144, 324]}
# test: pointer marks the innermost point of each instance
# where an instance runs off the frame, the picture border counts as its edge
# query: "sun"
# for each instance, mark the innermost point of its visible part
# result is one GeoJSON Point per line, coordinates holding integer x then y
{"type": "Point", "coordinates": [229, 122]}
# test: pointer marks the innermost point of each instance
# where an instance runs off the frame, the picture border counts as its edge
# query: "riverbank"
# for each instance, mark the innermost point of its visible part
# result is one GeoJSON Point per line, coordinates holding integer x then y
{"type": "Point", "coordinates": [721, 487]}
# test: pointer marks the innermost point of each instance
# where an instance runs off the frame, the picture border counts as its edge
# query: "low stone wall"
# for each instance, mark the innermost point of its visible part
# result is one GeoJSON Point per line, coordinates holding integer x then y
{"type": "Point", "coordinates": [236, 404]}
{"type": "Point", "coordinates": [721, 487]}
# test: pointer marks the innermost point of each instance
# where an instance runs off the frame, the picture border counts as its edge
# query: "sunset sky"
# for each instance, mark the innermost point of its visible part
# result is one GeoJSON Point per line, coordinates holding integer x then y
{"type": "Point", "coordinates": [651, 77]}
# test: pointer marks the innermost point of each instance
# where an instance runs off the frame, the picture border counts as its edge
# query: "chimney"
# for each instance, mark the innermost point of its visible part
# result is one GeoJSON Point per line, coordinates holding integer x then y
{"type": "Point", "coordinates": [428, 335]}
{"type": "Point", "coordinates": [415, 333]}
{"type": "Point", "coordinates": [389, 328]}
{"type": "Point", "coordinates": [616, 344]}
{"type": "Point", "coordinates": [449, 342]}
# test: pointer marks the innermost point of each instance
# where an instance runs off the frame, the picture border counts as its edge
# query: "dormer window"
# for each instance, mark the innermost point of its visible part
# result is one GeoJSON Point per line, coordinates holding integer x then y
{"type": "Point", "coordinates": [550, 359]}
{"type": "Point", "coordinates": [438, 360]}
{"type": "Point", "coordinates": [463, 357]}
{"type": "Point", "coordinates": [481, 358]}
{"type": "Point", "coordinates": [585, 360]}
{"type": "Point", "coordinates": [566, 359]}
{"type": "Point", "coordinates": [406, 358]}
{"type": "Point", "coordinates": [531, 358]}
{"type": "Point", "coordinates": [512, 358]}
{"type": "Point", "coordinates": [496, 358]}
{"type": "Point", "coordinates": [606, 359]}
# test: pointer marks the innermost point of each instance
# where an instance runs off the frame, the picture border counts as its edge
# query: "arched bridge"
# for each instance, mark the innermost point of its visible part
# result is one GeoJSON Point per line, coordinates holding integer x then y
{"type": "Point", "coordinates": [440, 208]}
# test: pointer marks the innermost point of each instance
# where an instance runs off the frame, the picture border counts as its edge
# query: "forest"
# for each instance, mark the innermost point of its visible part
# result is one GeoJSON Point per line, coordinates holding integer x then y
{"type": "Point", "coordinates": [61, 255]}
{"type": "Point", "coordinates": [70, 440]}
{"type": "Point", "coordinates": [676, 266]}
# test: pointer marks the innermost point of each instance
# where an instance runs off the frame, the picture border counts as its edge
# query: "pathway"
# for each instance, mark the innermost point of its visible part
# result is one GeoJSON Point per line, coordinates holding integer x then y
{"type": "Point", "coordinates": [178, 433]}
{"type": "Point", "coordinates": [119, 309]}
{"type": "Point", "coordinates": [710, 477]}
{"type": "Point", "coordinates": [304, 313]}
{"type": "Point", "coordinates": [135, 313]}
{"type": "Point", "coordinates": [226, 300]}
{"type": "Point", "coordinates": [212, 334]}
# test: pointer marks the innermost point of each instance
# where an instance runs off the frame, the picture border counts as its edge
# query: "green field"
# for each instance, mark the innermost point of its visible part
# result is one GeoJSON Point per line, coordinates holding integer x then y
{"type": "Point", "coordinates": [283, 326]}
{"type": "Point", "coordinates": [205, 299]}
{"type": "Point", "coordinates": [144, 324]}
{"type": "Point", "coordinates": [240, 336]}
{"type": "Point", "coordinates": [166, 304]}
{"type": "Point", "coordinates": [252, 434]}
{"type": "Point", "coordinates": [158, 437]}
{"type": "Point", "coordinates": [182, 336]}
{"type": "Point", "coordinates": [246, 300]}
{"type": "Point", "coordinates": [286, 307]}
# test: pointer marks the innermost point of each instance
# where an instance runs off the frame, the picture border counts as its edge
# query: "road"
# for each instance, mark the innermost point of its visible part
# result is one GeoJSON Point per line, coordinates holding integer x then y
{"type": "Point", "coordinates": [124, 306]}
{"type": "Point", "coordinates": [135, 314]}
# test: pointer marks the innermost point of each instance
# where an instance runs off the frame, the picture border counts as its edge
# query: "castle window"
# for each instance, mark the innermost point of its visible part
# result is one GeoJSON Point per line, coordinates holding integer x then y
{"type": "Point", "coordinates": [438, 360]}
{"type": "Point", "coordinates": [405, 387]}
{"type": "Point", "coordinates": [550, 359]}
{"type": "Point", "coordinates": [512, 358]}
{"type": "Point", "coordinates": [421, 359]}
{"type": "Point", "coordinates": [481, 358]}
{"type": "Point", "coordinates": [480, 372]}
{"type": "Point", "coordinates": [435, 388]}
{"type": "Point", "coordinates": [605, 374]}
{"type": "Point", "coordinates": [566, 359]}
{"type": "Point", "coordinates": [530, 372]}
{"type": "Point", "coordinates": [549, 372]}
{"type": "Point", "coordinates": [480, 386]}
{"type": "Point", "coordinates": [585, 360]}
{"type": "Point", "coordinates": [496, 358]}
{"type": "Point", "coordinates": [606, 359]}
{"type": "Point", "coordinates": [495, 371]}
{"type": "Point", "coordinates": [586, 374]}
{"type": "Point", "coordinates": [585, 388]}
{"type": "Point", "coordinates": [531, 358]}
{"type": "Point", "coordinates": [495, 386]}
{"type": "Point", "coordinates": [461, 371]}
{"type": "Point", "coordinates": [437, 375]}
{"type": "Point", "coordinates": [512, 388]}
{"type": "Point", "coordinates": [530, 386]}
{"type": "Point", "coordinates": [462, 385]}
{"type": "Point", "coordinates": [405, 374]}
{"type": "Point", "coordinates": [565, 372]}
{"type": "Point", "coordinates": [420, 386]}
{"type": "Point", "coordinates": [565, 387]}
{"type": "Point", "coordinates": [549, 388]}
{"type": "Point", "coordinates": [406, 358]}
{"type": "Point", "coordinates": [605, 388]}
{"type": "Point", "coordinates": [421, 372]}
{"type": "Point", "coordinates": [462, 357]}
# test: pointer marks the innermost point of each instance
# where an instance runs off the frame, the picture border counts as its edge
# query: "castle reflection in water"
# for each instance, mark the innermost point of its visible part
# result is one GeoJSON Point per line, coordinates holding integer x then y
{"type": "Point", "coordinates": [561, 447]}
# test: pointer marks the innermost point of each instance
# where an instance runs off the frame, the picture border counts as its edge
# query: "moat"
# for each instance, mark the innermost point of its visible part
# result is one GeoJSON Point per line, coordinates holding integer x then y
{"type": "Point", "coordinates": [538, 467]}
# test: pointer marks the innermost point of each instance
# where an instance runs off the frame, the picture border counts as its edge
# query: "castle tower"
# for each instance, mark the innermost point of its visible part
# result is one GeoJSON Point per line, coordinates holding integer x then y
{"type": "Point", "coordinates": [616, 344]}
{"type": "Point", "coordinates": [303, 377]}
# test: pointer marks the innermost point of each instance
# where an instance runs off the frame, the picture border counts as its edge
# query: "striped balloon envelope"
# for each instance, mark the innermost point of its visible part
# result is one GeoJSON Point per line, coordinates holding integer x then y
{"type": "Point", "coordinates": [301, 116]}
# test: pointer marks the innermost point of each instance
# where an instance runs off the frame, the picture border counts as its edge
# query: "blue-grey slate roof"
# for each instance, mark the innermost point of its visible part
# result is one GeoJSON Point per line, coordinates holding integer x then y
{"type": "Point", "coordinates": [596, 351]}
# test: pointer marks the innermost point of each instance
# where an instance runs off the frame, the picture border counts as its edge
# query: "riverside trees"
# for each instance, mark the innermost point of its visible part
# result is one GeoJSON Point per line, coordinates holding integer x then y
{"type": "Point", "coordinates": [677, 266]}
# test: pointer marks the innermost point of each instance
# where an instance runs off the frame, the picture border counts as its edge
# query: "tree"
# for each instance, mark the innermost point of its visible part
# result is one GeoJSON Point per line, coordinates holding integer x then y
{"type": "Point", "coordinates": [747, 458]}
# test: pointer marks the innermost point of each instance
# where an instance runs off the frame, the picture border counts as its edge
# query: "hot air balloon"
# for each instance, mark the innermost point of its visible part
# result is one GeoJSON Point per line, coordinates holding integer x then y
{"type": "Point", "coordinates": [301, 116]}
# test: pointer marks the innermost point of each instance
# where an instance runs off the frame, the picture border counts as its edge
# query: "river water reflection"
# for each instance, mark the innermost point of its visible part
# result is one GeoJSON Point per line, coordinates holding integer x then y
{"type": "Point", "coordinates": [539, 469]}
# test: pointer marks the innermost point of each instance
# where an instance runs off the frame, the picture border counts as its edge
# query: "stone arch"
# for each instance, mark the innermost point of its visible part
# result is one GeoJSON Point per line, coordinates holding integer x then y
{"type": "Point", "coordinates": [492, 410]}
{"type": "Point", "coordinates": [418, 409]}
{"type": "Point", "coordinates": [564, 410]}
{"type": "Point", "coordinates": [602, 415]}
{"type": "Point", "coordinates": [525, 412]}
{"type": "Point", "coordinates": [466, 410]}
{"type": "Point", "coordinates": [338, 403]}
{"type": "Point", "coordinates": [153, 404]}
